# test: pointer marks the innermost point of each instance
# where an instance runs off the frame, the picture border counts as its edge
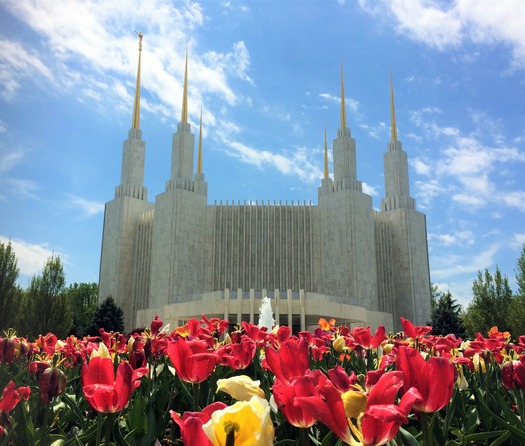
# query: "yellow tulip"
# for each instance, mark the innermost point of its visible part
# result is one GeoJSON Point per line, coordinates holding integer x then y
{"type": "Point", "coordinates": [354, 403]}
{"type": "Point", "coordinates": [339, 345]}
{"type": "Point", "coordinates": [249, 420]}
{"type": "Point", "coordinates": [102, 351]}
{"type": "Point", "coordinates": [241, 388]}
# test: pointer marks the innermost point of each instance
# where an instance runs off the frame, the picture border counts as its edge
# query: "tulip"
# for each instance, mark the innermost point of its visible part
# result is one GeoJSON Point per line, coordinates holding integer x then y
{"type": "Point", "coordinates": [238, 356]}
{"type": "Point", "coordinates": [155, 326]}
{"type": "Point", "coordinates": [12, 347]}
{"type": "Point", "coordinates": [290, 360]}
{"type": "Point", "coordinates": [341, 379]}
{"type": "Point", "coordinates": [513, 374]}
{"type": "Point", "coordinates": [52, 384]}
{"type": "Point", "coordinates": [191, 423]}
{"type": "Point", "coordinates": [285, 396]}
{"type": "Point", "coordinates": [374, 418]}
{"type": "Point", "coordinates": [104, 392]}
{"type": "Point", "coordinates": [414, 332]}
{"type": "Point", "coordinates": [325, 404]}
{"type": "Point", "coordinates": [192, 360]}
{"type": "Point", "coordinates": [248, 422]}
{"type": "Point", "coordinates": [11, 396]}
{"type": "Point", "coordinates": [241, 388]}
{"type": "Point", "coordinates": [364, 338]}
{"type": "Point", "coordinates": [434, 379]}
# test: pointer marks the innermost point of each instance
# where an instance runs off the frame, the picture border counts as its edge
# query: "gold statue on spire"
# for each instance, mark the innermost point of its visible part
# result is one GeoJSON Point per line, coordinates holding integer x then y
{"type": "Point", "coordinates": [135, 123]}
{"type": "Point", "coordinates": [184, 115]}
{"type": "Point", "coordinates": [343, 109]}
{"type": "Point", "coordinates": [199, 153]}
{"type": "Point", "coordinates": [326, 175]}
{"type": "Point", "coordinates": [392, 111]}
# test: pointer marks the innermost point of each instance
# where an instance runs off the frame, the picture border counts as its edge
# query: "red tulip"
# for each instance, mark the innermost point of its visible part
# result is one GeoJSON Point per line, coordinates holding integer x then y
{"type": "Point", "coordinates": [341, 379]}
{"type": "Point", "coordinates": [52, 384]}
{"type": "Point", "coordinates": [326, 405]}
{"type": "Point", "coordinates": [364, 338]}
{"type": "Point", "coordinates": [513, 374]}
{"type": "Point", "coordinates": [381, 419]}
{"type": "Point", "coordinates": [414, 332]}
{"type": "Point", "coordinates": [155, 326]}
{"type": "Point", "coordinates": [290, 360]}
{"type": "Point", "coordinates": [11, 396]}
{"type": "Point", "coordinates": [192, 360]}
{"type": "Point", "coordinates": [285, 395]}
{"type": "Point", "coordinates": [190, 424]}
{"type": "Point", "coordinates": [434, 379]}
{"type": "Point", "coordinates": [238, 356]}
{"type": "Point", "coordinates": [102, 391]}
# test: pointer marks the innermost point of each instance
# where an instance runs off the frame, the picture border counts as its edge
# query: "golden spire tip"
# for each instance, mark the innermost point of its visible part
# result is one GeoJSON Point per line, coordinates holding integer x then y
{"type": "Point", "coordinates": [343, 108]}
{"type": "Point", "coordinates": [392, 111]}
{"type": "Point", "coordinates": [135, 123]}
{"type": "Point", "coordinates": [184, 115]}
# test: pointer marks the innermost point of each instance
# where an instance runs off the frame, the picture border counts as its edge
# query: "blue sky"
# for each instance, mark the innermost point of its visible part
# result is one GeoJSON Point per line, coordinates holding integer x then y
{"type": "Point", "coordinates": [267, 75]}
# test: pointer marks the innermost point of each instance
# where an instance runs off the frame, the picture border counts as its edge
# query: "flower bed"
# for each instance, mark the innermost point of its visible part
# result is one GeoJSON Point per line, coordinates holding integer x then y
{"type": "Point", "coordinates": [202, 385]}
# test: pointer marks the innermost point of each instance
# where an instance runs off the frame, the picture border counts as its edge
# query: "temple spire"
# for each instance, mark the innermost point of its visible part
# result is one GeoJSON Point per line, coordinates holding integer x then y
{"type": "Point", "coordinates": [184, 115]}
{"type": "Point", "coordinates": [135, 124]}
{"type": "Point", "coordinates": [392, 111]}
{"type": "Point", "coordinates": [326, 175]}
{"type": "Point", "coordinates": [199, 154]}
{"type": "Point", "coordinates": [343, 109]}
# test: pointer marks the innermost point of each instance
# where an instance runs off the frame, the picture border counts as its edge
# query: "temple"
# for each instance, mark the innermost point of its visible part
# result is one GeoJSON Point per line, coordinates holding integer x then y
{"type": "Point", "coordinates": [180, 257]}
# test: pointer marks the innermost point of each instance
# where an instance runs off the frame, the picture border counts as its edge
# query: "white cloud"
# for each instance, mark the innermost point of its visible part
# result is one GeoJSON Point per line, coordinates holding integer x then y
{"type": "Point", "coordinates": [426, 191]}
{"type": "Point", "coordinates": [30, 257]}
{"type": "Point", "coordinates": [9, 159]}
{"type": "Point", "coordinates": [16, 63]}
{"type": "Point", "coordinates": [298, 162]}
{"type": "Point", "coordinates": [459, 238]}
{"type": "Point", "coordinates": [21, 187]}
{"type": "Point", "coordinates": [89, 208]}
{"type": "Point", "coordinates": [446, 267]}
{"type": "Point", "coordinates": [370, 190]}
{"type": "Point", "coordinates": [519, 240]}
{"type": "Point", "coordinates": [88, 47]}
{"type": "Point", "coordinates": [420, 166]}
{"type": "Point", "coordinates": [442, 25]}
{"type": "Point", "coordinates": [471, 168]}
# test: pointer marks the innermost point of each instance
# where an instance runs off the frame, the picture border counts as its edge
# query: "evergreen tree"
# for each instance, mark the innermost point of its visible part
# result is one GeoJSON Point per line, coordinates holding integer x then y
{"type": "Point", "coordinates": [108, 316]}
{"type": "Point", "coordinates": [9, 292]}
{"type": "Point", "coordinates": [490, 304]}
{"type": "Point", "coordinates": [446, 317]}
{"type": "Point", "coordinates": [45, 304]}
{"type": "Point", "coordinates": [83, 298]}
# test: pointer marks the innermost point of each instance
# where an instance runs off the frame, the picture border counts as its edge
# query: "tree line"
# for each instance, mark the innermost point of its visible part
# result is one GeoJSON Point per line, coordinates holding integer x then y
{"type": "Point", "coordinates": [493, 304]}
{"type": "Point", "coordinates": [48, 305]}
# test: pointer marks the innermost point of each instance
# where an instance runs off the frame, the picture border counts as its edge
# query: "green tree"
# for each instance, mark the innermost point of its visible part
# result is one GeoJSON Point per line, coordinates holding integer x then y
{"type": "Point", "coordinates": [108, 316]}
{"type": "Point", "coordinates": [10, 293]}
{"type": "Point", "coordinates": [446, 316]}
{"type": "Point", "coordinates": [517, 306]}
{"type": "Point", "coordinates": [490, 304]}
{"type": "Point", "coordinates": [83, 299]}
{"type": "Point", "coordinates": [520, 273]}
{"type": "Point", "coordinates": [45, 306]}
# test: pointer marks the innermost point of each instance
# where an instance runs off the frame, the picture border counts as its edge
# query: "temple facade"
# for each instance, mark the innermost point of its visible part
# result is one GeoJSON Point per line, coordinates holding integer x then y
{"type": "Point", "coordinates": [181, 257]}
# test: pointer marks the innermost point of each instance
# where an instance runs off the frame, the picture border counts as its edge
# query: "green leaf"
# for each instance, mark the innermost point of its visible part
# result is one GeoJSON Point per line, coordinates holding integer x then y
{"type": "Point", "coordinates": [407, 438]}
{"type": "Point", "coordinates": [501, 439]}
